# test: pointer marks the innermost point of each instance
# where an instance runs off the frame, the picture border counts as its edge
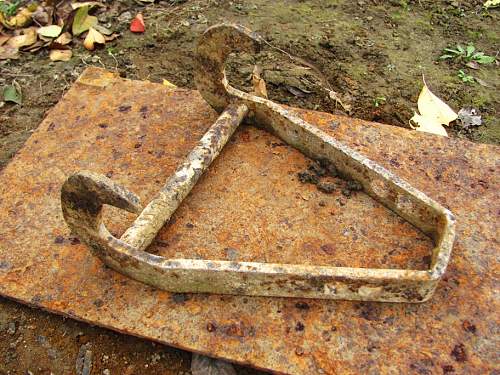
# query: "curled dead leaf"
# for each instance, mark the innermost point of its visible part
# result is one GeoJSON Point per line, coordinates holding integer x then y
{"type": "Point", "coordinates": [259, 85]}
{"type": "Point", "coordinates": [434, 113]}
{"type": "Point", "coordinates": [36, 46]}
{"type": "Point", "coordinates": [111, 37]}
{"type": "Point", "coordinates": [93, 36]}
{"type": "Point", "coordinates": [60, 55]}
{"type": "Point", "coordinates": [63, 39]}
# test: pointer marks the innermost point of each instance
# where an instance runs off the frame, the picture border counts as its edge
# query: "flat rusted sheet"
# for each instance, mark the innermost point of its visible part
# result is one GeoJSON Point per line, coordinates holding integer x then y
{"type": "Point", "coordinates": [251, 206]}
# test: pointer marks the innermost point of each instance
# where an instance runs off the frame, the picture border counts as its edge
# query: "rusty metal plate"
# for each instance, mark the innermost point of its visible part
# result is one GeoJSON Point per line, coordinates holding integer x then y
{"type": "Point", "coordinates": [250, 206]}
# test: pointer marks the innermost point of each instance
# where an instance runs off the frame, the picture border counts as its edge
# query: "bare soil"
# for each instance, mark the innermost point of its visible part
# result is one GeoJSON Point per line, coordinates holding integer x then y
{"type": "Point", "coordinates": [362, 50]}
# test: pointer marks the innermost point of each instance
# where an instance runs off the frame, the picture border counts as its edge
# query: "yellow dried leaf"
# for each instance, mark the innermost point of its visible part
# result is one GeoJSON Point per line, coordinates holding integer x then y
{"type": "Point", "coordinates": [427, 125]}
{"type": "Point", "coordinates": [26, 38]}
{"type": "Point", "coordinates": [434, 113]}
{"type": "Point", "coordinates": [60, 55]}
{"type": "Point", "coordinates": [93, 36]}
{"type": "Point", "coordinates": [21, 19]}
{"type": "Point", "coordinates": [169, 84]}
{"type": "Point", "coordinates": [90, 4]}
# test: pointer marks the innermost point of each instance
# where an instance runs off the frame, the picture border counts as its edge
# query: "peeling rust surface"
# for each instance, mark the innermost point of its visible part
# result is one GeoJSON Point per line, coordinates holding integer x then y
{"type": "Point", "coordinates": [251, 206]}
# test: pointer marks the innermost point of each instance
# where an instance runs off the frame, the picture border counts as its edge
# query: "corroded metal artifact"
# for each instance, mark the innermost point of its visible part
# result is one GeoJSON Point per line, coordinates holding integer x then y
{"type": "Point", "coordinates": [84, 194]}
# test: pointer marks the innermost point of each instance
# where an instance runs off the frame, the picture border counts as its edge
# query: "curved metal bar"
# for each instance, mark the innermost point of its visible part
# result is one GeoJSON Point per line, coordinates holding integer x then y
{"type": "Point", "coordinates": [84, 194]}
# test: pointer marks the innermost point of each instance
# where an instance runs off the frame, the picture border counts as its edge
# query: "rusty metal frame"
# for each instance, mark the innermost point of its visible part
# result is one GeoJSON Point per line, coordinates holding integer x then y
{"type": "Point", "coordinates": [84, 194]}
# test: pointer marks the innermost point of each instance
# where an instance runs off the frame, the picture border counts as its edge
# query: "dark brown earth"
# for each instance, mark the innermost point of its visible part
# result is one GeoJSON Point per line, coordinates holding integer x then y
{"type": "Point", "coordinates": [362, 50]}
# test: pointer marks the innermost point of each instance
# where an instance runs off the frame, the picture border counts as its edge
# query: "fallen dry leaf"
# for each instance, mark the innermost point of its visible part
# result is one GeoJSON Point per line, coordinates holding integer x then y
{"type": "Point", "coordinates": [63, 39]}
{"type": "Point", "coordinates": [103, 30]}
{"type": "Point", "coordinates": [82, 21]}
{"type": "Point", "coordinates": [51, 31]}
{"type": "Point", "coordinates": [434, 113]}
{"type": "Point", "coordinates": [41, 16]}
{"type": "Point", "coordinates": [89, 4]}
{"type": "Point", "coordinates": [93, 36]}
{"type": "Point", "coordinates": [259, 85]}
{"type": "Point", "coordinates": [137, 24]}
{"type": "Point", "coordinates": [168, 84]}
{"type": "Point", "coordinates": [111, 37]}
{"type": "Point", "coordinates": [60, 55]}
{"type": "Point", "coordinates": [8, 52]}
{"type": "Point", "coordinates": [21, 19]}
{"type": "Point", "coordinates": [3, 39]}
{"type": "Point", "coordinates": [36, 46]}
{"type": "Point", "coordinates": [27, 37]}
{"type": "Point", "coordinates": [336, 98]}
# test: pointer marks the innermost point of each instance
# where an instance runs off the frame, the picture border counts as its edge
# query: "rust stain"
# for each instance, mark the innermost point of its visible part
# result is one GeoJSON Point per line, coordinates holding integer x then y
{"type": "Point", "coordinates": [249, 206]}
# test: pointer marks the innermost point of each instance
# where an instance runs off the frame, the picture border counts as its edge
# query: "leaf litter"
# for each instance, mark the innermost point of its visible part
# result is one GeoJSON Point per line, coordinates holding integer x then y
{"type": "Point", "coordinates": [38, 26]}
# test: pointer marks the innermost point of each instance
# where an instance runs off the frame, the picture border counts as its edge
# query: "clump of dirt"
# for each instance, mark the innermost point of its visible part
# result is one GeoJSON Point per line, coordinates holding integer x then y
{"type": "Point", "coordinates": [327, 178]}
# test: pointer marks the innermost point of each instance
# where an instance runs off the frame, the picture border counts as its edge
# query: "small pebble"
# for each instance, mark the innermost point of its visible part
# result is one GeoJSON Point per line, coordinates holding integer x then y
{"type": "Point", "coordinates": [11, 329]}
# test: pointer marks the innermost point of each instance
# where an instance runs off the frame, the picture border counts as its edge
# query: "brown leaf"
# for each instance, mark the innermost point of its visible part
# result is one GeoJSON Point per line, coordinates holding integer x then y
{"type": "Point", "coordinates": [64, 38]}
{"type": "Point", "coordinates": [26, 37]}
{"type": "Point", "coordinates": [93, 36]}
{"type": "Point", "coordinates": [8, 52]}
{"type": "Point", "coordinates": [41, 16]}
{"type": "Point", "coordinates": [259, 85]}
{"type": "Point", "coordinates": [35, 47]}
{"type": "Point", "coordinates": [472, 65]}
{"type": "Point", "coordinates": [111, 37]}
{"type": "Point", "coordinates": [60, 55]}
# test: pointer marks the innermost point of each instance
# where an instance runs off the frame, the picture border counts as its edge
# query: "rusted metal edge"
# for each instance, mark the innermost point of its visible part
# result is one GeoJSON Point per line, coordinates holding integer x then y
{"type": "Point", "coordinates": [84, 194]}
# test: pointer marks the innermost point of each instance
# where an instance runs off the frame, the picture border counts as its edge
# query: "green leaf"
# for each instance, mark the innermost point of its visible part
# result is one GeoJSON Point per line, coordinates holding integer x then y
{"type": "Point", "coordinates": [484, 59]}
{"type": "Point", "coordinates": [9, 9]}
{"type": "Point", "coordinates": [12, 94]}
{"type": "Point", "coordinates": [491, 4]}
{"type": "Point", "coordinates": [82, 21]}
{"type": "Point", "coordinates": [470, 50]}
{"type": "Point", "coordinates": [453, 51]}
{"type": "Point", "coordinates": [460, 49]}
{"type": "Point", "coordinates": [444, 57]}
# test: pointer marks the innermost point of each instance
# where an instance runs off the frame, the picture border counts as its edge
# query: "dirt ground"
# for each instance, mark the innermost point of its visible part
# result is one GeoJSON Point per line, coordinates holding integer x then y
{"type": "Point", "coordinates": [371, 53]}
